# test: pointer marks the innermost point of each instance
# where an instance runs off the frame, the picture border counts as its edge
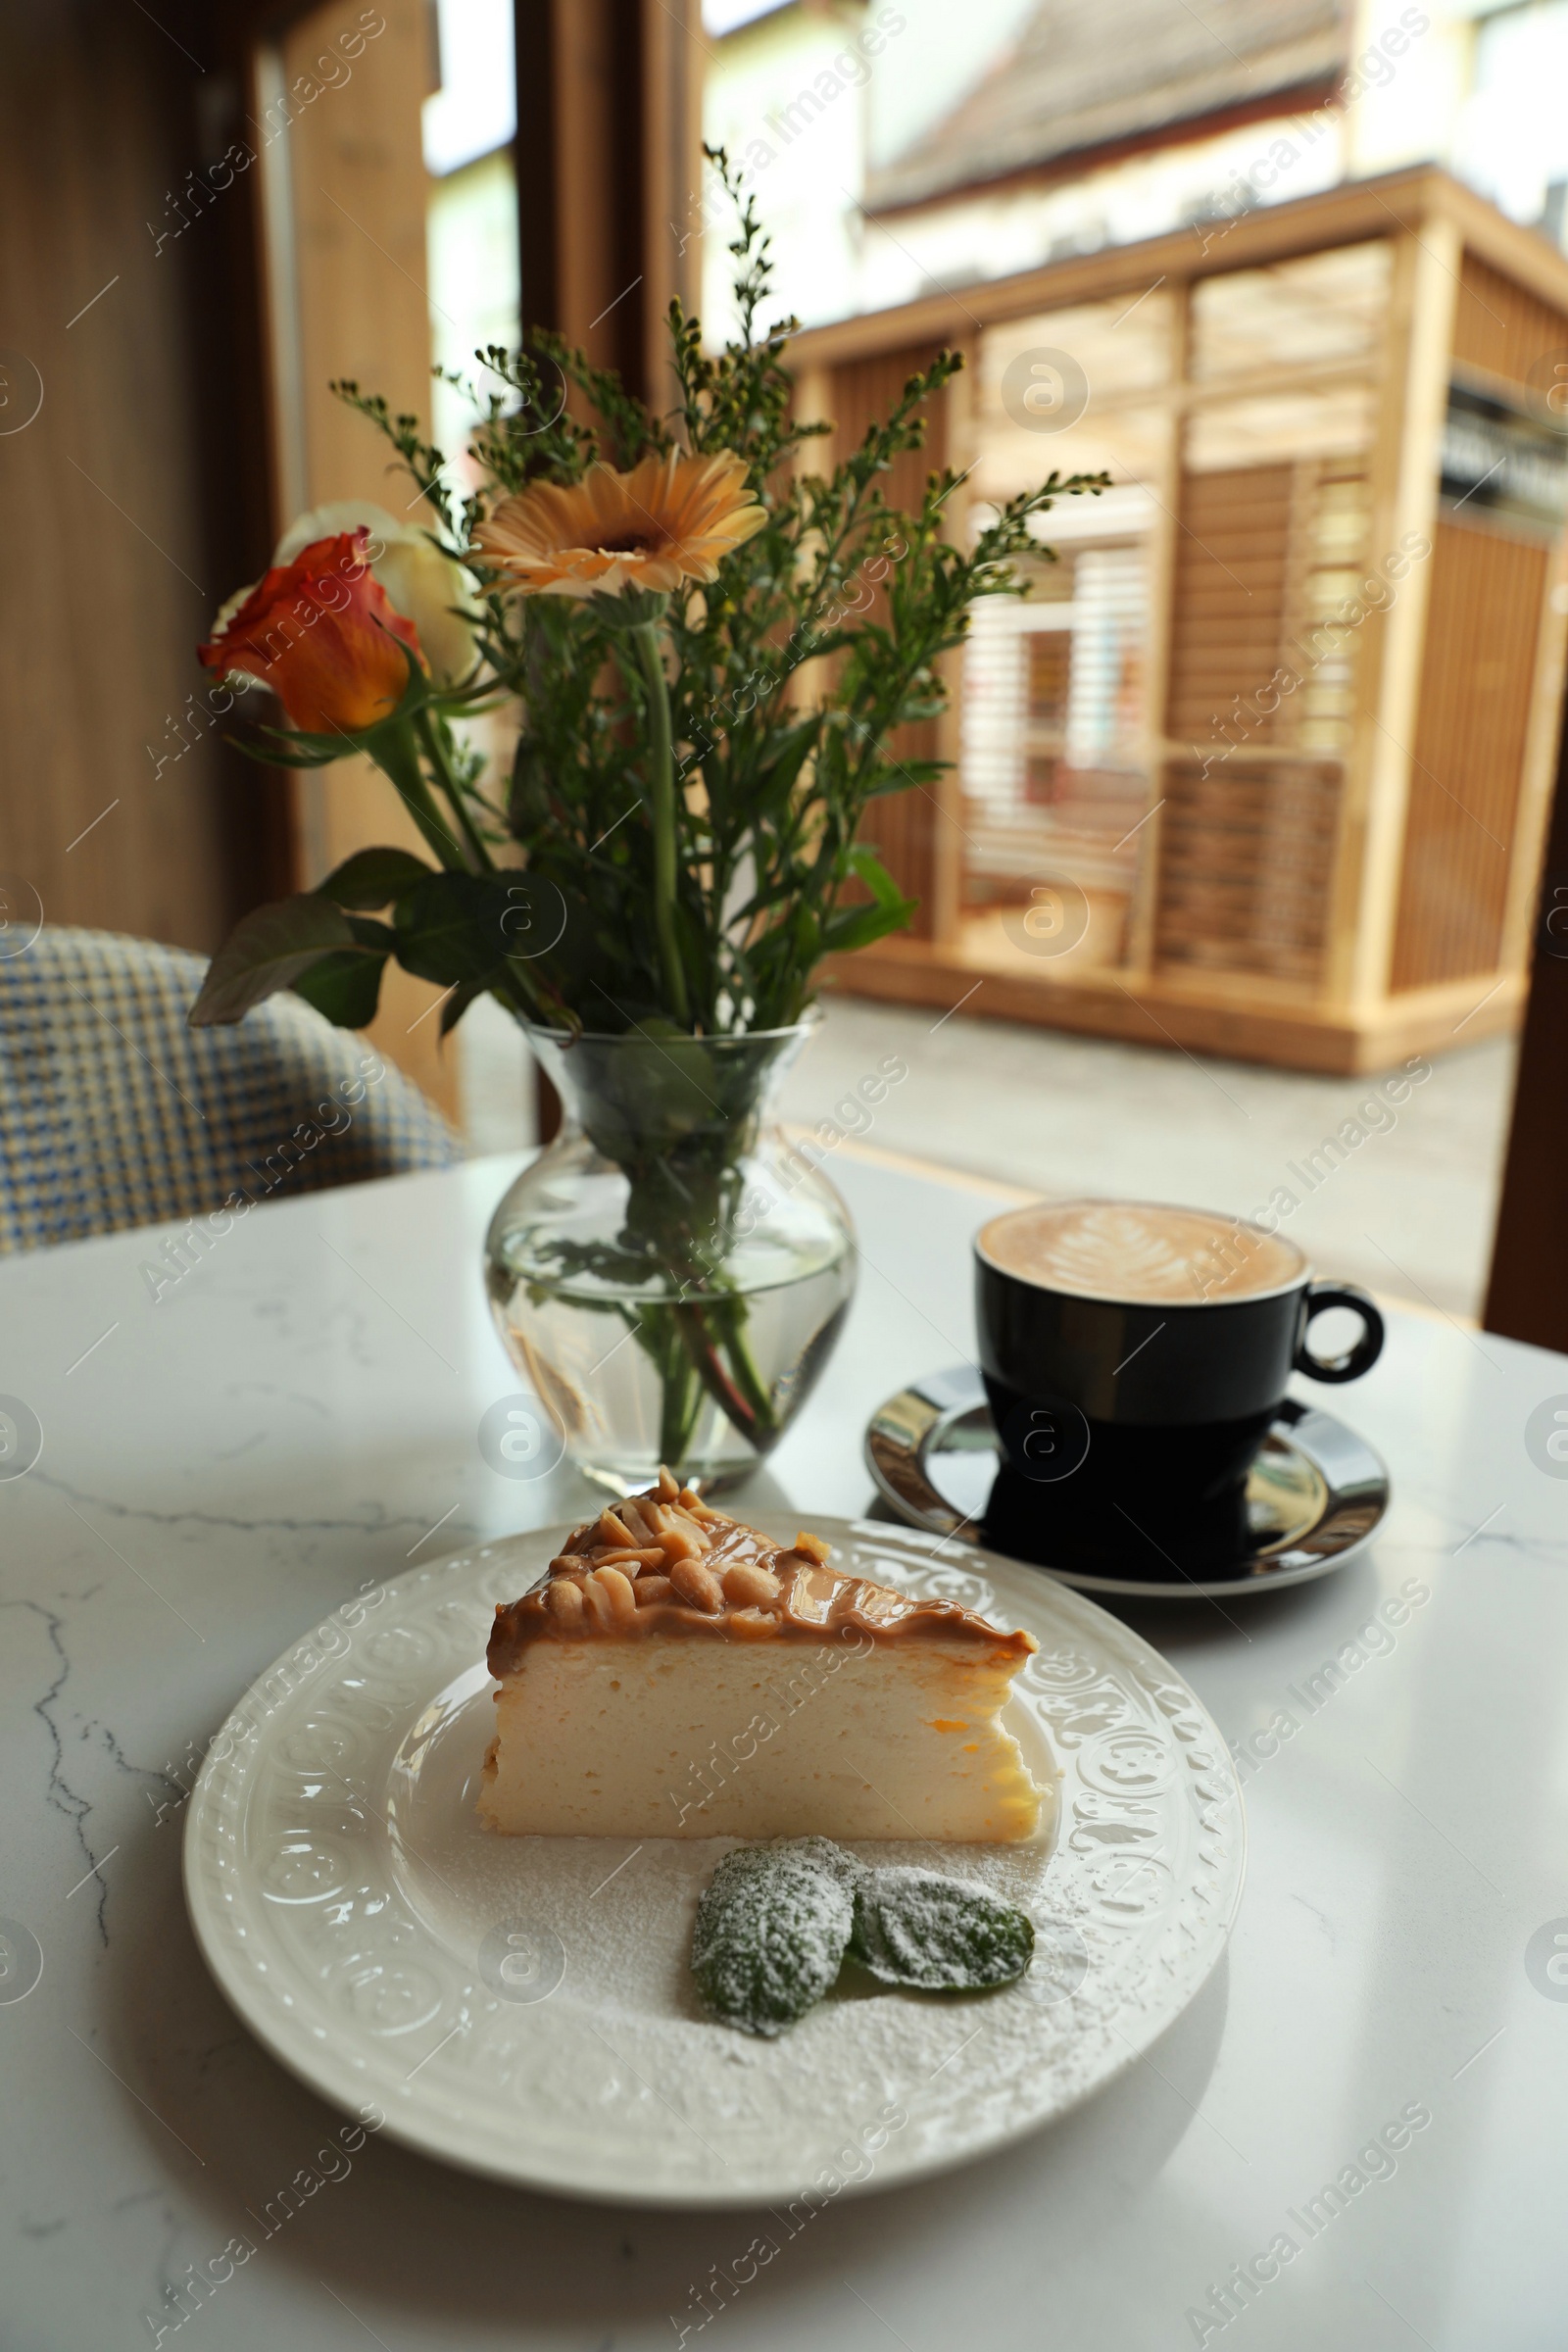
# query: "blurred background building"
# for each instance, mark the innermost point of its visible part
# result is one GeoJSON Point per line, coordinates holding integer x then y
{"type": "Point", "coordinates": [979, 143]}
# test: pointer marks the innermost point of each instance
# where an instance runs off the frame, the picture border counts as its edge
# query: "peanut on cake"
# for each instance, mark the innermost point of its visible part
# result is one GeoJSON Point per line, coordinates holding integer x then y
{"type": "Point", "coordinates": [675, 1674]}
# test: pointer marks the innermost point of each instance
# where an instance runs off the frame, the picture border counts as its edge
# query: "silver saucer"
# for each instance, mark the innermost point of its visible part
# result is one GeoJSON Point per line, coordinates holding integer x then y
{"type": "Point", "coordinates": [1316, 1494]}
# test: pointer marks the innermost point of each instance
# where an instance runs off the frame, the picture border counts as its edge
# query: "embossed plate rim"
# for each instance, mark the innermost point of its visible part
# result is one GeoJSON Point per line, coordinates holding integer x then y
{"type": "Point", "coordinates": [349, 2065]}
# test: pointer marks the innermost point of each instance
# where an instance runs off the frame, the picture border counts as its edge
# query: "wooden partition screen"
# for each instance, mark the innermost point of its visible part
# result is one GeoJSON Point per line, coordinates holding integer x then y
{"type": "Point", "coordinates": [1278, 730]}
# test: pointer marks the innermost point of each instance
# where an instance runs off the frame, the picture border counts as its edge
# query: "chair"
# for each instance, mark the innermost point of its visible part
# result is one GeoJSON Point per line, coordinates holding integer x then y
{"type": "Point", "coordinates": [113, 1113]}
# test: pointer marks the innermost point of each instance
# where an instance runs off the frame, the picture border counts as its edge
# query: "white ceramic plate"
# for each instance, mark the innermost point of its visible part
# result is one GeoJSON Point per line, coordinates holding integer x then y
{"type": "Point", "coordinates": [522, 2007]}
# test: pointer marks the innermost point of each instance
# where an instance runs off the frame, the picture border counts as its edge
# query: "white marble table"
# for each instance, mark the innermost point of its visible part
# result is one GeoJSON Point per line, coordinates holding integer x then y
{"type": "Point", "coordinates": [298, 1416]}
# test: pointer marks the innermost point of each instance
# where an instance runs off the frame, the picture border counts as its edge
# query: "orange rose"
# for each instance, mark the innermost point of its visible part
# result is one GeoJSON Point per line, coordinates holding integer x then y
{"type": "Point", "coordinates": [321, 634]}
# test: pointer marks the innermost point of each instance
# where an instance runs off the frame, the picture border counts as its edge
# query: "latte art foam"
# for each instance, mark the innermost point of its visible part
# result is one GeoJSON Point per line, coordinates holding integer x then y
{"type": "Point", "coordinates": [1139, 1252]}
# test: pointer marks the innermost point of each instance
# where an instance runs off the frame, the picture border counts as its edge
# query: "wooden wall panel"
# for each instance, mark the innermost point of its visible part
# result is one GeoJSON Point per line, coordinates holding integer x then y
{"type": "Point", "coordinates": [1483, 631]}
{"type": "Point", "coordinates": [902, 826]}
{"type": "Point", "coordinates": [349, 301]}
{"type": "Point", "coordinates": [114, 797]}
{"type": "Point", "coordinates": [1499, 326]}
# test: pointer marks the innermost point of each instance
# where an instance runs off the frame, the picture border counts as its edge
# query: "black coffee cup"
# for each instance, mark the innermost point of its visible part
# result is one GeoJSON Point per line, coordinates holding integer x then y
{"type": "Point", "coordinates": [1135, 1354]}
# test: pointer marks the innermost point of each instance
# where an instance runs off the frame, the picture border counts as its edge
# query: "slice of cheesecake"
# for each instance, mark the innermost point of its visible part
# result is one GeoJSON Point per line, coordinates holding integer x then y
{"type": "Point", "coordinates": [677, 1675]}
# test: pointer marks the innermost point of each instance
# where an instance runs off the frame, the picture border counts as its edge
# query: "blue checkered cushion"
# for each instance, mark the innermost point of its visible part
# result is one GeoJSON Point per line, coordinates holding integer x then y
{"type": "Point", "coordinates": [113, 1113]}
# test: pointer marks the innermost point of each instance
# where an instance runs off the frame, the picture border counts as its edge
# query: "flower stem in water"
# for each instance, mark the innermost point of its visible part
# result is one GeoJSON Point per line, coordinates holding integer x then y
{"type": "Point", "coordinates": [661, 809]}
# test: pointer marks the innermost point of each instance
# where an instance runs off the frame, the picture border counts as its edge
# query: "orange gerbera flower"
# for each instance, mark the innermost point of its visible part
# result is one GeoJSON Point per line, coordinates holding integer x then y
{"type": "Point", "coordinates": [672, 519]}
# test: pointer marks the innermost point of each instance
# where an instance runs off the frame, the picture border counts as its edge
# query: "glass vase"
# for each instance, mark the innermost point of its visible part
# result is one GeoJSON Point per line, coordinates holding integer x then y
{"type": "Point", "coordinates": [670, 1275]}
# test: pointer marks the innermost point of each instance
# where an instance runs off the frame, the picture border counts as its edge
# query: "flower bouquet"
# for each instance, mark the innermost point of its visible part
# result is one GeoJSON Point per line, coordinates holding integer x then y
{"type": "Point", "coordinates": [706, 646]}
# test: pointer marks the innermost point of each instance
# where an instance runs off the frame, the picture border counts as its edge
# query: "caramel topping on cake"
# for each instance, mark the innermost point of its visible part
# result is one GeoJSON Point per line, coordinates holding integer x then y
{"type": "Point", "coordinates": [666, 1562]}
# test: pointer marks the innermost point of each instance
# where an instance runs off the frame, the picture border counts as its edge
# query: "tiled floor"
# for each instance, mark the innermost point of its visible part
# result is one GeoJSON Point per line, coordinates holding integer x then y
{"type": "Point", "coordinates": [1407, 1209]}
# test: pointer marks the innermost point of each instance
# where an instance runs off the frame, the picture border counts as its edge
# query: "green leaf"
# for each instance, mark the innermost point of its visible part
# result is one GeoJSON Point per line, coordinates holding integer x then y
{"type": "Point", "coordinates": [867, 867]}
{"type": "Point", "coordinates": [346, 987]}
{"type": "Point", "coordinates": [528, 801]}
{"type": "Point", "coordinates": [821, 1852]}
{"type": "Point", "coordinates": [852, 928]}
{"type": "Point", "coordinates": [772, 1927]}
{"type": "Point", "coordinates": [902, 777]}
{"type": "Point", "coordinates": [268, 951]}
{"type": "Point", "coordinates": [861, 927]}
{"type": "Point", "coordinates": [449, 928]}
{"type": "Point", "coordinates": [795, 749]}
{"type": "Point", "coordinates": [915, 1926]}
{"type": "Point", "coordinates": [372, 878]}
{"type": "Point", "coordinates": [379, 938]}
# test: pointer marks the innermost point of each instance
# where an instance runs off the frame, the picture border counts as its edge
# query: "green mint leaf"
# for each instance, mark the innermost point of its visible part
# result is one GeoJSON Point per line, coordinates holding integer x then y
{"type": "Point", "coordinates": [821, 1852]}
{"type": "Point", "coordinates": [914, 1927]}
{"type": "Point", "coordinates": [772, 1924]}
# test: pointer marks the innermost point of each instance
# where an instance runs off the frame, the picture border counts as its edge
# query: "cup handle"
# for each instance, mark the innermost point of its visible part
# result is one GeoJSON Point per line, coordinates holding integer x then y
{"type": "Point", "coordinates": [1367, 1348]}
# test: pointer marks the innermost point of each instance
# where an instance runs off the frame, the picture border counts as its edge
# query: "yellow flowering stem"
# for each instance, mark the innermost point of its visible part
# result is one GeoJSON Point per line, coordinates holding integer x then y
{"type": "Point", "coordinates": [661, 809]}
